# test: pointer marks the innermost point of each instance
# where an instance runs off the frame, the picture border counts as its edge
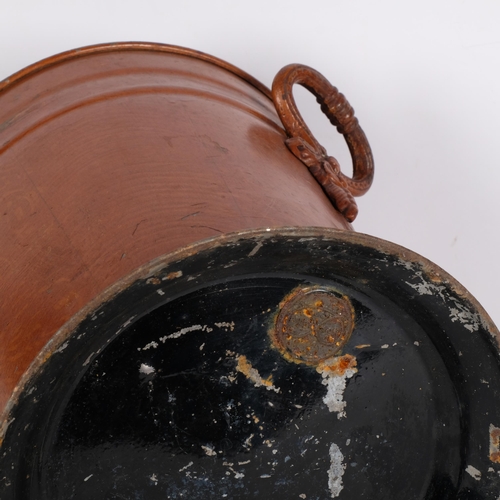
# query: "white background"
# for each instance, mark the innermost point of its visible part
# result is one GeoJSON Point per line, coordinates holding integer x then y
{"type": "Point", "coordinates": [422, 76]}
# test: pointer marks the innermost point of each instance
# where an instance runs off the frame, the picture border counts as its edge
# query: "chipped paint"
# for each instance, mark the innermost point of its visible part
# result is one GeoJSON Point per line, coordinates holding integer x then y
{"type": "Point", "coordinates": [87, 361]}
{"type": "Point", "coordinates": [426, 288]}
{"type": "Point", "coordinates": [146, 369]}
{"type": "Point", "coordinates": [3, 428]}
{"type": "Point", "coordinates": [255, 249]}
{"type": "Point", "coordinates": [470, 320]}
{"type": "Point", "coordinates": [335, 373]}
{"type": "Point", "coordinates": [182, 332]}
{"type": "Point", "coordinates": [248, 441]}
{"type": "Point", "coordinates": [225, 325]}
{"type": "Point", "coordinates": [244, 366]}
{"type": "Point", "coordinates": [186, 466]}
{"type": "Point", "coordinates": [127, 323]}
{"type": "Point", "coordinates": [209, 450]}
{"type": "Point", "coordinates": [173, 275]}
{"type": "Point", "coordinates": [62, 347]}
{"type": "Point", "coordinates": [151, 345]}
{"type": "Point", "coordinates": [237, 475]}
{"type": "Point", "coordinates": [494, 444]}
{"type": "Point", "coordinates": [336, 471]}
{"type": "Point", "coordinates": [472, 471]}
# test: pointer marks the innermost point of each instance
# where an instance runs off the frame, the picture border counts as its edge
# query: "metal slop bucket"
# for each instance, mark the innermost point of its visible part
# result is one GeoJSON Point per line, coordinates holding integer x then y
{"type": "Point", "coordinates": [158, 344]}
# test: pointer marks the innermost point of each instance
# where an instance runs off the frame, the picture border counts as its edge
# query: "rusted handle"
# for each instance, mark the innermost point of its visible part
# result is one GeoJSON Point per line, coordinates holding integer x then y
{"type": "Point", "coordinates": [304, 145]}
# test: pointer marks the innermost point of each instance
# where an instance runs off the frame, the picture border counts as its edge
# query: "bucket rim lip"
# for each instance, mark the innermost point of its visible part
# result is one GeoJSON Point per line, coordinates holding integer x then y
{"type": "Point", "coordinates": [137, 46]}
{"type": "Point", "coordinates": [259, 235]}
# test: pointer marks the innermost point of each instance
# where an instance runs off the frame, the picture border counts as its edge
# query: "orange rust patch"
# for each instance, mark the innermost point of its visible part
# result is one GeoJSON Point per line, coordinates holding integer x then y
{"type": "Point", "coordinates": [173, 275]}
{"type": "Point", "coordinates": [494, 444]}
{"type": "Point", "coordinates": [245, 367]}
{"type": "Point", "coordinates": [338, 365]}
{"type": "Point", "coordinates": [434, 276]}
{"type": "Point", "coordinates": [313, 323]}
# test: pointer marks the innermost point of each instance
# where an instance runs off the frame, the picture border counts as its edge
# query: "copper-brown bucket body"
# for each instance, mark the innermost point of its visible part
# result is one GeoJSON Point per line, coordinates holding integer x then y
{"type": "Point", "coordinates": [114, 155]}
{"type": "Point", "coordinates": [164, 333]}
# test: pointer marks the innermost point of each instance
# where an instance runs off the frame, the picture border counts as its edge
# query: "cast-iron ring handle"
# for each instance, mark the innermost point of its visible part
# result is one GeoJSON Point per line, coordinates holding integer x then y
{"type": "Point", "coordinates": [301, 142]}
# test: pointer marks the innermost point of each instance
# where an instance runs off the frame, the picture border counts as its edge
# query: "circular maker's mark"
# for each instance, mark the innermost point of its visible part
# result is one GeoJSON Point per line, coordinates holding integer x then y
{"type": "Point", "coordinates": [313, 324]}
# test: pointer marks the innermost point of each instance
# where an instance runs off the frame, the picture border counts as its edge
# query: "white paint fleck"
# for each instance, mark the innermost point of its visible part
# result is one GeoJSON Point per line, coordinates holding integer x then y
{"type": "Point", "coordinates": [265, 476]}
{"type": "Point", "coordinates": [160, 291]}
{"type": "Point", "coordinates": [62, 347]}
{"type": "Point", "coordinates": [336, 384]}
{"type": "Point", "coordinates": [146, 369]}
{"type": "Point", "coordinates": [255, 249]}
{"type": "Point", "coordinates": [181, 332]}
{"type": "Point", "coordinates": [223, 324]}
{"type": "Point", "coordinates": [152, 345]}
{"type": "Point", "coordinates": [237, 475]}
{"type": "Point", "coordinates": [186, 466]}
{"type": "Point", "coordinates": [385, 346]}
{"type": "Point", "coordinates": [87, 361]}
{"type": "Point", "coordinates": [417, 343]}
{"type": "Point", "coordinates": [336, 470]}
{"type": "Point", "coordinates": [248, 441]}
{"type": "Point", "coordinates": [476, 474]}
{"type": "Point", "coordinates": [154, 479]}
{"type": "Point", "coordinates": [127, 323]}
{"type": "Point", "coordinates": [209, 450]}
{"type": "Point", "coordinates": [202, 346]}
{"type": "Point", "coordinates": [426, 288]}
{"type": "Point", "coordinates": [302, 495]}
{"type": "Point", "coordinates": [244, 463]}
{"type": "Point", "coordinates": [470, 320]}
{"type": "Point", "coordinates": [348, 442]}
{"type": "Point", "coordinates": [88, 477]}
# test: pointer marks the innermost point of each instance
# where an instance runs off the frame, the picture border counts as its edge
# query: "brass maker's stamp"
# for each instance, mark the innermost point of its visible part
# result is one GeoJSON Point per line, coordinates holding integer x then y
{"type": "Point", "coordinates": [313, 324]}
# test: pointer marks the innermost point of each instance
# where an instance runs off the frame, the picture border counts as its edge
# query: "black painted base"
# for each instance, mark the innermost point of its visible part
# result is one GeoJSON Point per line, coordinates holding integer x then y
{"type": "Point", "coordinates": [174, 387]}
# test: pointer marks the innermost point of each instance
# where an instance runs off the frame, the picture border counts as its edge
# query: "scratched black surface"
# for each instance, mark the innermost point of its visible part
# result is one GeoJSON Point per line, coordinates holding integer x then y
{"type": "Point", "coordinates": [159, 408]}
